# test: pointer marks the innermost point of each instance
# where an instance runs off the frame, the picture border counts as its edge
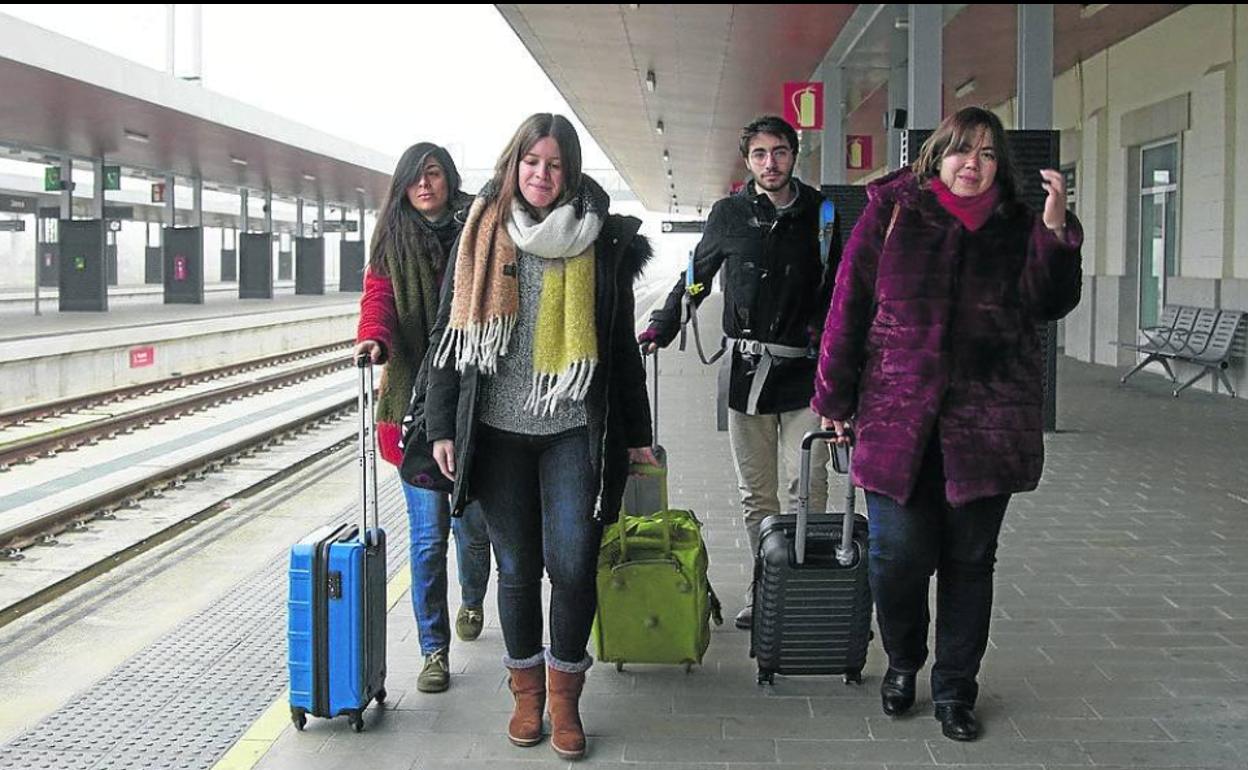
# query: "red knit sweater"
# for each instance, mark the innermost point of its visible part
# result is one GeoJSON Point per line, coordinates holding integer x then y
{"type": "Point", "coordinates": [378, 318]}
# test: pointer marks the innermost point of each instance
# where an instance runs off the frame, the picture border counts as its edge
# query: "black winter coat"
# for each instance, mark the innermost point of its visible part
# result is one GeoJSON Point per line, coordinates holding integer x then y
{"type": "Point", "coordinates": [617, 403]}
{"type": "Point", "coordinates": [776, 289]}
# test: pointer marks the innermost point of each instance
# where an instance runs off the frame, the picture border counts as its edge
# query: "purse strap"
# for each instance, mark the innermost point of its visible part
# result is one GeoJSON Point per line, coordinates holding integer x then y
{"type": "Point", "coordinates": [892, 222]}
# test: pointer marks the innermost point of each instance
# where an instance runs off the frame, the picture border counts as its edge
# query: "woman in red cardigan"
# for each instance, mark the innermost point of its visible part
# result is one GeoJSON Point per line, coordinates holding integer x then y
{"type": "Point", "coordinates": [409, 252]}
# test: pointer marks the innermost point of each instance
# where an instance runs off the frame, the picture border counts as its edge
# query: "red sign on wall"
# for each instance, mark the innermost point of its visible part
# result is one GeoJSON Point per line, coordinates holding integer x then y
{"type": "Point", "coordinates": [858, 152]}
{"type": "Point", "coordinates": [803, 104]}
{"type": "Point", "coordinates": [144, 356]}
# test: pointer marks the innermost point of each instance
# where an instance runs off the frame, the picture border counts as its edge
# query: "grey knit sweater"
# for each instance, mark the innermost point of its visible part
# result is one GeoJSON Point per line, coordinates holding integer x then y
{"type": "Point", "coordinates": [502, 395]}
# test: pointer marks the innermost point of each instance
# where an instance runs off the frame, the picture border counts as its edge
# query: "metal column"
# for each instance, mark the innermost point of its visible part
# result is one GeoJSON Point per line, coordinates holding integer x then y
{"type": "Point", "coordinates": [97, 191]}
{"type": "Point", "coordinates": [1035, 111]}
{"type": "Point", "coordinates": [197, 202]}
{"type": "Point", "coordinates": [67, 189]}
{"type": "Point", "coordinates": [171, 209]}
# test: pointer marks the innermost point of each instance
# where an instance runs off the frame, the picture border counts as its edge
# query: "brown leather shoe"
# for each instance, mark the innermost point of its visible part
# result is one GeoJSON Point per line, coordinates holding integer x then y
{"type": "Point", "coordinates": [567, 736]}
{"type": "Point", "coordinates": [528, 687]}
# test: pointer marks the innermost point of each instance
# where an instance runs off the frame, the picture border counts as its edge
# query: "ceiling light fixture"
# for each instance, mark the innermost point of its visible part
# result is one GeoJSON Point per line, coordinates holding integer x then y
{"type": "Point", "coordinates": [650, 81]}
{"type": "Point", "coordinates": [658, 128]}
{"type": "Point", "coordinates": [136, 136]}
{"type": "Point", "coordinates": [966, 89]}
{"type": "Point", "coordinates": [237, 161]}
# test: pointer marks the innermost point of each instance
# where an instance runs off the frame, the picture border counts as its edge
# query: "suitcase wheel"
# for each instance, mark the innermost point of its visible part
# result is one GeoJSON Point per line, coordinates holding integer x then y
{"type": "Point", "coordinates": [853, 677]}
{"type": "Point", "coordinates": [298, 718]}
{"type": "Point", "coordinates": [766, 677]}
{"type": "Point", "coordinates": [619, 665]}
{"type": "Point", "coordinates": [380, 697]}
{"type": "Point", "coordinates": [357, 720]}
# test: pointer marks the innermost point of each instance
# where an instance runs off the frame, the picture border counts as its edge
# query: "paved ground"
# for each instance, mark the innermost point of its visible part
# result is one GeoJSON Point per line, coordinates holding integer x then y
{"type": "Point", "coordinates": [1120, 638]}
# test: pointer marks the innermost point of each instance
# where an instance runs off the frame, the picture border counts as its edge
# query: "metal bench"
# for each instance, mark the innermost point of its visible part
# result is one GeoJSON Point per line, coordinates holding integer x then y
{"type": "Point", "coordinates": [1204, 337]}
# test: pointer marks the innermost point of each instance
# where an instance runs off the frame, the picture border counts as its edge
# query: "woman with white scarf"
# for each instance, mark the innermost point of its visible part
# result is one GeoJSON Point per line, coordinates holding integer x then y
{"type": "Point", "coordinates": [537, 403]}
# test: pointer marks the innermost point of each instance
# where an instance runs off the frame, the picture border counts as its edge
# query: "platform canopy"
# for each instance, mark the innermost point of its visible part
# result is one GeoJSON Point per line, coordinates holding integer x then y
{"type": "Point", "coordinates": [65, 97]}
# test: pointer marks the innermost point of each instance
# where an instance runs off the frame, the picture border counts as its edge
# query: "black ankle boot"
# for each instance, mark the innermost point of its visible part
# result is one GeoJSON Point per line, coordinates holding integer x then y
{"type": "Point", "coordinates": [897, 692]}
{"type": "Point", "coordinates": [957, 721]}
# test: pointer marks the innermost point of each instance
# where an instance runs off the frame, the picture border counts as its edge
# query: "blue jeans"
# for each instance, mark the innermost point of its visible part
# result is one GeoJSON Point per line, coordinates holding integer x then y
{"type": "Point", "coordinates": [538, 495]}
{"type": "Point", "coordinates": [429, 523]}
{"type": "Point", "coordinates": [959, 544]}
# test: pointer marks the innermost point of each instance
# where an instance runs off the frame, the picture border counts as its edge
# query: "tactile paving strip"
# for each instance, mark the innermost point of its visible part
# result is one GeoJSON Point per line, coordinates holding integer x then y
{"type": "Point", "coordinates": [182, 702]}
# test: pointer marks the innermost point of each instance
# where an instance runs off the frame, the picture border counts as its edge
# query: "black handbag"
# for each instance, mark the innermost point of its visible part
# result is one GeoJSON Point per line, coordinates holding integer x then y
{"type": "Point", "coordinates": [419, 469]}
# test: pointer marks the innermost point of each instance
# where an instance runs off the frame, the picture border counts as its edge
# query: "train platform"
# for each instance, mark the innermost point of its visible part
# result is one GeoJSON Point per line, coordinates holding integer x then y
{"type": "Point", "coordinates": [61, 355]}
{"type": "Point", "coordinates": [1120, 637]}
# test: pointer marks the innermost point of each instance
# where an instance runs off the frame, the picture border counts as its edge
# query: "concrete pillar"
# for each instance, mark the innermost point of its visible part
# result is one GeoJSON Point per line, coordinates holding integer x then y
{"type": "Point", "coordinates": [243, 197]}
{"type": "Point", "coordinates": [361, 207]}
{"type": "Point", "coordinates": [898, 87]}
{"type": "Point", "coordinates": [268, 211]}
{"type": "Point", "coordinates": [171, 34]}
{"type": "Point", "coordinates": [832, 155]}
{"type": "Point", "coordinates": [299, 217]}
{"type": "Point", "coordinates": [196, 75]}
{"type": "Point", "coordinates": [925, 56]}
{"type": "Point", "coordinates": [1035, 66]}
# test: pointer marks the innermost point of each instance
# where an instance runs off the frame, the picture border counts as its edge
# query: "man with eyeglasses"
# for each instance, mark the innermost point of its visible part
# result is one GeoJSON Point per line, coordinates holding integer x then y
{"type": "Point", "coordinates": [776, 291]}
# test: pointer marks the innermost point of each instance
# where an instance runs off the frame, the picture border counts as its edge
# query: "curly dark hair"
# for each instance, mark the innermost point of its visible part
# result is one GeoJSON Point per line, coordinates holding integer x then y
{"type": "Point", "coordinates": [768, 124]}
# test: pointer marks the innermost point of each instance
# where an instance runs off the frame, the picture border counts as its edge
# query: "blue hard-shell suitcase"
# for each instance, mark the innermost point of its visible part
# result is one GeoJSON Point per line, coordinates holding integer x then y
{"type": "Point", "coordinates": [337, 607]}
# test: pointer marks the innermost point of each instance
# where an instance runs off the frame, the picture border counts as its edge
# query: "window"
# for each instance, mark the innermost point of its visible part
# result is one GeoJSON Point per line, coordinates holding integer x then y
{"type": "Point", "coordinates": [1159, 232]}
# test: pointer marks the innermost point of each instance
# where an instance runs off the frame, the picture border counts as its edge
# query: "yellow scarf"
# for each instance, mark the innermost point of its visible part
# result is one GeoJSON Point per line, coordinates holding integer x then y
{"type": "Point", "coordinates": [486, 304]}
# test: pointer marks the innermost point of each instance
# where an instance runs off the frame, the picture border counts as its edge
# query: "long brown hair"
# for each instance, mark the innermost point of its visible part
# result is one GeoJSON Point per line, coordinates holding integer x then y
{"type": "Point", "coordinates": [958, 131]}
{"type": "Point", "coordinates": [391, 217]}
{"type": "Point", "coordinates": [535, 128]}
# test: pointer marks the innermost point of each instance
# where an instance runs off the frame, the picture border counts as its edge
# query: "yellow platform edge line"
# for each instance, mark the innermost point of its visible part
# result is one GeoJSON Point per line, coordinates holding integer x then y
{"type": "Point", "coordinates": [264, 732]}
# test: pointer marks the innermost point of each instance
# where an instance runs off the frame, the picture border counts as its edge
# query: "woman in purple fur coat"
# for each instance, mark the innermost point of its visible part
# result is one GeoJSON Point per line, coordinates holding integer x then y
{"type": "Point", "coordinates": [931, 349]}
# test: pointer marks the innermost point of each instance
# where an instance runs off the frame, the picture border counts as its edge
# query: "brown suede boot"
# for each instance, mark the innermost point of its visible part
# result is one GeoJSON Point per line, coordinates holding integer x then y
{"type": "Point", "coordinates": [528, 687]}
{"type": "Point", "coordinates": [567, 736]}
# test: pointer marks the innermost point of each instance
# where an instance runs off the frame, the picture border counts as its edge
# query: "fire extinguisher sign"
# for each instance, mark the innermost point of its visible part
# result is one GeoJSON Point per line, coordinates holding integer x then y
{"type": "Point", "coordinates": [803, 105]}
{"type": "Point", "coordinates": [858, 156]}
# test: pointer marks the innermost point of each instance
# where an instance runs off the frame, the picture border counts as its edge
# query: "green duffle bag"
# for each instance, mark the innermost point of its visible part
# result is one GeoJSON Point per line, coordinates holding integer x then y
{"type": "Point", "coordinates": [655, 603]}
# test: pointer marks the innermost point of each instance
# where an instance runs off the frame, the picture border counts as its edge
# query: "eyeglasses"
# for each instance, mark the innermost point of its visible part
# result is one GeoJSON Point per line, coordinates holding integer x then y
{"type": "Point", "coordinates": [780, 154]}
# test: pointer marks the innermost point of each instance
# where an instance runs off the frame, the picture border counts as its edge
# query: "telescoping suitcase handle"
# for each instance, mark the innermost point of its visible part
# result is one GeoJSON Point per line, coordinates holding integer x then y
{"type": "Point", "coordinates": [654, 392]}
{"type": "Point", "coordinates": [368, 449]}
{"type": "Point", "coordinates": [840, 461]}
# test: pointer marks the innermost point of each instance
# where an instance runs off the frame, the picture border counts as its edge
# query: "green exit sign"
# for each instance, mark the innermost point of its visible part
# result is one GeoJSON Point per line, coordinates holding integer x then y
{"type": "Point", "coordinates": [52, 179]}
{"type": "Point", "coordinates": [112, 177]}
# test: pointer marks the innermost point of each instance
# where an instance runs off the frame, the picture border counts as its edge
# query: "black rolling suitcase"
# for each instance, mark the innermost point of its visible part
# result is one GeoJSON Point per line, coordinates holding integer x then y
{"type": "Point", "coordinates": [812, 602]}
